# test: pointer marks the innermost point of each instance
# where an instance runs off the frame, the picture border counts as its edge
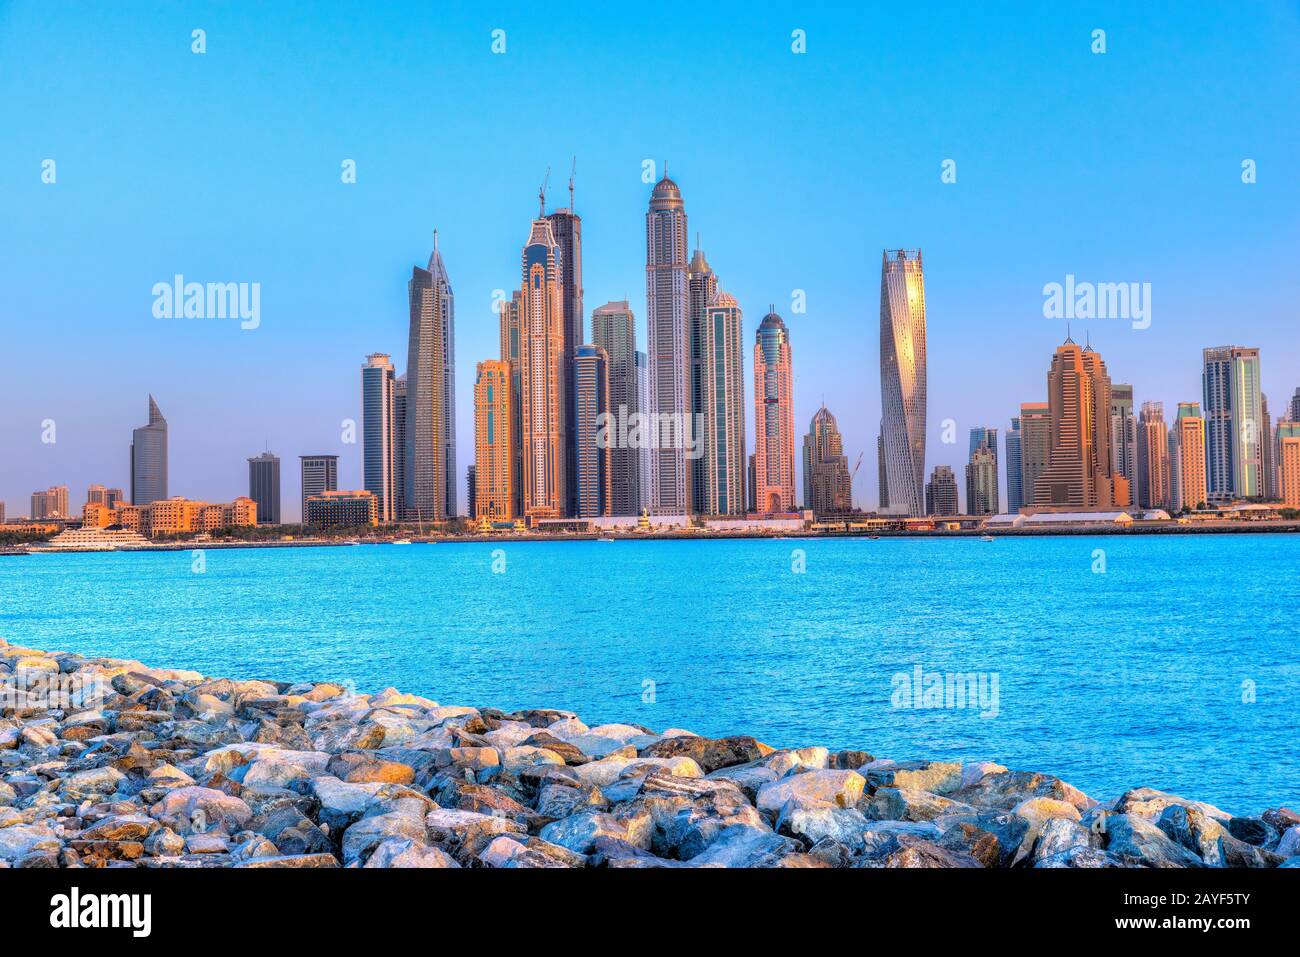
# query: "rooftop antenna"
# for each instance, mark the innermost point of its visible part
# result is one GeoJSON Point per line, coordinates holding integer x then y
{"type": "Point", "coordinates": [573, 171]}
{"type": "Point", "coordinates": [435, 240]}
{"type": "Point", "coordinates": [541, 194]}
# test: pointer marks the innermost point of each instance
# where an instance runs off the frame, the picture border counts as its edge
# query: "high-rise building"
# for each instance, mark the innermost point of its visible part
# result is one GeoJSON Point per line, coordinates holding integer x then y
{"type": "Point", "coordinates": [264, 487]}
{"type": "Point", "coordinates": [773, 416]}
{"type": "Point", "coordinates": [511, 351]}
{"type": "Point", "coordinates": [495, 411]}
{"type": "Point", "coordinates": [149, 458]}
{"type": "Point", "coordinates": [613, 328]}
{"type": "Point", "coordinates": [828, 489]}
{"type": "Point", "coordinates": [984, 437]}
{"type": "Point", "coordinates": [114, 496]}
{"type": "Point", "coordinates": [1268, 482]}
{"type": "Point", "coordinates": [1123, 434]}
{"type": "Point", "coordinates": [593, 443]}
{"type": "Point", "coordinates": [1294, 414]}
{"type": "Point", "coordinates": [701, 287]}
{"type": "Point", "coordinates": [96, 495]}
{"type": "Point", "coordinates": [722, 393]}
{"type": "Point", "coordinates": [320, 474]}
{"type": "Point", "coordinates": [644, 476]}
{"type": "Point", "coordinates": [882, 479]}
{"type": "Point", "coordinates": [941, 492]}
{"type": "Point", "coordinates": [1285, 429]}
{"type": "Point", "coordinates": [1233, 423]}
{"type": "Point", "coordinates": [430, 492]}
{"type": "Point", "coordinates": [1080, 474]}
{"type": "Point", "coordinates": [1188, 436]}
{"type": "Point", "coordinates": [1015, 469]}
{"type": "Point", "coordinates": [668, 349]}
{"type": "Point", "coordinates": [345, 508]}
{"type": "Point", "coordinates": [982, 482]}
{"type": "Point", "coordinates": [1154, 488]}
{"type": "Point", "coordinates": [1035, 446]}
{"type": "Point", "coordinates": [52, 503]}
{"type": "Point", "coordinates": [1289, 457]}
{"type": "Point", "coordinates": [566, 228]}
{"type": "Point", "coordinates": [399, 445]}
{"type": "Point", "coordinates": [471, 491]}
{"type": "Point", "coordinates": [379, 434]}
{"type": "Point", "coordinates": [543, 377]}
{"type": "Point", "coordinates": [902, 382]}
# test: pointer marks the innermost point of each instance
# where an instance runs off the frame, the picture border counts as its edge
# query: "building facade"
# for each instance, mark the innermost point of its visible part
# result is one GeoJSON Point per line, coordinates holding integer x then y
{"type": "Point", "coordinates": [982, 482]}
{"type": "Point", "coordinates": [902, 382]}
{"type": "Point", "coordinates": [701, 287]}
{"type": "Point", "coordinates": [1014, 469]}
{"type": "Point", "coordinates": [544, 404]}
{"type": "Point", "coordinates": [1035, 446]}
{"type": "Point", "coordinates": [1124, 434]}
{"type": "Point", "coordinates": [593, 437]}
{"type": "Point", "coordinates": [984, 437]}
{"type": "Point", "coordinates": [51, 503]}
{"type": "Point", "coordinates": [773, 416]}
{"type": "Point", "coordinates": [430, 465]}
{"type": "Point", "coordinates": [941, 492]}
{"type": "Point", "coordinates": [1080, 475]}
{"type": "Point", "coordinates": [722, 394]}
{"type": "Point", "coordinates": [320, 474]}
{"type": "Point", "coordinates": [828, 489]}
{"type": "Point", "coordinates": [149, 458]}
{"type": "Point", "coordinates": [613, 328]}
{"type": "Point", "coordinates": [379, 434]}
{"type": "Point", "coordinates": [495, 458]}
{"type": "Point", "coordinates": [1289, 479]}
{"type": "Point", "coordinates": [1189, 451]}
{"type": "Point", "coordinates": [1234, 428]}
{"type": "Point", "coordinates": [566, 228]}
{"type": "Point", "coordinates": [342, 508]}
{"type": "Point", "coordinates": [512, 352]}
{"type": "Point", "coordinates": [668, 349]}
{"type": "Point", "coordinates": [264, 487]}
{"type": "Point", "coordinates": [1154, 480]}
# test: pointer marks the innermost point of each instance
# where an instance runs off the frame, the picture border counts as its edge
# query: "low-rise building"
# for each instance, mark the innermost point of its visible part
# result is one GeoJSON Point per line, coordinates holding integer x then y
{"type": "Point", "coordinates": [352, 507]}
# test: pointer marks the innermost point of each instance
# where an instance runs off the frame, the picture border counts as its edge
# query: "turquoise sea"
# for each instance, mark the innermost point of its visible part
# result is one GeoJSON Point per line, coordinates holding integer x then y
{"type": "Point", "coordinates": [1177, 666]}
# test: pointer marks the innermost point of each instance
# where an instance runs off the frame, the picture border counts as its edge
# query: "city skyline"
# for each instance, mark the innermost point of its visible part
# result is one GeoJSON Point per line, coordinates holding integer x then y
{"type": "Point", "coordinates": [322, 319]}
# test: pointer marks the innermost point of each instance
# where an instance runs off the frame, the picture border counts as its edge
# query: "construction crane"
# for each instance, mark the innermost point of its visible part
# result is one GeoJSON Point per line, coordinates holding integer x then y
{"type": "Point", "coordinates": [541, 194]}
{"type": "Point", "coordinates": [854, 474]}
{"type": "Point", "coordinates": [573, 171]}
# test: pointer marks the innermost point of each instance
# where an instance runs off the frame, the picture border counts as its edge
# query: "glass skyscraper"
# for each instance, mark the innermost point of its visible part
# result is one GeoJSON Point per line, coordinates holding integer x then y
{"type": "Point", "coordinates": [902, 382]}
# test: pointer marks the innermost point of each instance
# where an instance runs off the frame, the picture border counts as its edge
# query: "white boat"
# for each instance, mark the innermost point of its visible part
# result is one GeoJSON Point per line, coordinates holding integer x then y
{"type": "Point", "coordinates": [401, 541]}
{"type": "Point", "coordinates": [604, 539]}
{"type": "Point", "coordinates": [986, 538]}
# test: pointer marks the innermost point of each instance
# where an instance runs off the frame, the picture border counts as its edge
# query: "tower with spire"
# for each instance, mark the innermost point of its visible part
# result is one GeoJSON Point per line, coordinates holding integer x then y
{"type": "Point", "coordinates": [149, 458]}
{"type": "Point", "coordinates": [566, 231]}
{"type": "Point", "coordinates": [429, 461]}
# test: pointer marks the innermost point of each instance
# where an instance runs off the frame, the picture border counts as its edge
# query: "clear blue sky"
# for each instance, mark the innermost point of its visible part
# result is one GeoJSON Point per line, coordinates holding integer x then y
{"type": "Point", "coordinates": [796, 170]}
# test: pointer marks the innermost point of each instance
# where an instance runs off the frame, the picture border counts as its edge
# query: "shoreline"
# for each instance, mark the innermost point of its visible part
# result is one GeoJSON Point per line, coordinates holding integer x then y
{"type": "Point", "coordinates": [1205, 528]}
{"type": "Point", "coordinates": [108, 762]}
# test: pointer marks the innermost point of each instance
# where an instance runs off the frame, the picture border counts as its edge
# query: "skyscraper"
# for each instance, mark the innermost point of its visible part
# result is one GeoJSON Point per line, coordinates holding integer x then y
{"type": "Point", "coordinates": [430, 493]}
{"type": "Point", "coordinates": [941, 492]}
{"type": "Point", "coordinates": [1015, 473]}
{"type": "Point", "coordinates": [1080, 475]}
{"type": "Point", "coordinates": [1289, 457]}
{"type": "Point", "coordinates": [1123, 434]}
{"type": "Point", "coordinates": [1286, 429]}
{"type": "Point", "coordinates": [495, 410]}
{"type": "Point", "coordinates": [702, 286]}
{"type": "Point", "coordinates": [566, 228]}
{"type": "Point", "coordinates": [1035, 446]}
{"type": "Point", "coordinates": [668, 349]}
{"type": "Point", "coordinates": [827, 486]}
{"type": "Point", "coordinates": [264, 487]}
{"type": "Point", "coordinates": [984, 437]}
{"type": "Point", "coordinates": [591, 405]}
{"type": "Point", "coordinates": [1189, 429]}
{"type": "Point", "coordinates": [773, 416]}
{"type": "Point", "coordinates": [1153, 457]}
{"type": "Point", "coordinates": [1268, 480]}
{"type": "Point", "coordinates": [722, 394]}
{"type": "Point", "coordinates": [982, 482]}
{"type": "Point", "coordinates": [1294, 414]}
{"type": "Point", "coordinates": [902, 382]}
{"type": "Point", "coordinates": [613, 328]}
{"type": "Point", "coordinates": [511, 351]}
{"type": "Point", "coordinates": [1234, 426]}
{"type": "Point", "coordinates": [149, 459]}
{"type": "Point", "coordinates": [644, 477]}
{"type": "Point", "coordinates": [320, 474]}
{"type": "Point", "coordinates": [543, 377]}
{"type": "Point", "coordinates": [52, 503]}
{"type": "Point", "coordinates": [471, 491]}
{"type": "Point", "coordinates": [379, 435]}
{"type": "Point", "coordinates": [399, 446]}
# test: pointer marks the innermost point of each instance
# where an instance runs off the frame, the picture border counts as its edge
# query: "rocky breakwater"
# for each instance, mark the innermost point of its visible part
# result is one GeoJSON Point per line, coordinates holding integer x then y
{"type": "Point", "coordinates": [109, 763]}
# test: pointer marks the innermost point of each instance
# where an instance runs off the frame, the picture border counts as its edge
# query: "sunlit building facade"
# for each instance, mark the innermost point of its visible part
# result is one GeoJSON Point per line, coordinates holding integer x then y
{"type": "Point", "coordinates": [430, 466]}
{"type": "Point", "coordinates": [722, 390]}
{"type": "Point", "coordinates": [1234, 427]}
{"type": "Point", "coordinates": [495, 412]}
{"type": "Point", "coordinates": [543, 405]}
{"type": "Point", "coordinates": [827, 486]}
{"type": "Point", "coordinates": [902, 382]}
{"type": "Point", "coordinates": [773, 417]}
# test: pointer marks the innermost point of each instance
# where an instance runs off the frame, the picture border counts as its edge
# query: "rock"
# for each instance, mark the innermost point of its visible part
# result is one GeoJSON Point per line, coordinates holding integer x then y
{"type": "Point", "coordinates": [1210, 840]}
{"type": "Point", "coordinates": [973, 841]}
{"type": "Point", "coordinates": [811, 788]}
{"type": "Point", "coordinates": [508, 852]}
{"type": "Point", "coordinates": [914, 852]}
{"type": "Point", "coordinates": [466, 833]}
{"type": "Point", "coordinates": [1136, 842]}
{"type": "Point", "coordinates": [1057, 835]}
{"type": "Point", "coordinates": [397, 852]}
{"type": "Point", "coordinates": [365, 835]}
{"type": "Point", "coordinates": [1288, 844]}
{"type": "Point", "coordinates": [1253, 830]}
{"type": "Point", "coordinates": [518, 758]}
{"type": "Point", "coordinates": [214, 843]}
{"type": "Point", "coordinates": [612, 852]}
{"type": "Point", "coordinates": [194, 808]}
{"type": "Point", "coordinates": [607, 738]}
{"type": "Point", "coordinates": [709, 753]}
{"type": "Point", "coordinates": [909, 804]}
{"type": "Point", "coordinates": [1150, 803]}
{"type": "Point", "coordinates": [848, 760]}
{"type": "Point", "coordinates": [357, 768]}
{"type": "Point", "coordinates": [842, 825]}
{"type": "Point", "coordinates": [1038, 809]}
{"type": "Point", "coordinates": [686, 831]}
{"type": "Point", "coordinates": [91, 785]}
{"type": "Point", "coordinates": [120, 827]}
{"type": "Point", "coordinates": [292, 832]}
{"type": "Point", "coordinates": [22, 840]}
{"type": "Point", "coordinates": [298, 861]}
{"type": "Point", "coordinates": [746, 847]}
{"type": "Point", "coordinates": [570, 754]}
{"type": "Point", "coordinates": [937, 777]}
{"type": "Point", "coordinates": [974, 772]}
{"type": "Point", "coordinates": [1006, 789]}
{"type": "Point", "coordinates": [1081, 856]}
{"type": "Point", "coordinates": [579, 832]}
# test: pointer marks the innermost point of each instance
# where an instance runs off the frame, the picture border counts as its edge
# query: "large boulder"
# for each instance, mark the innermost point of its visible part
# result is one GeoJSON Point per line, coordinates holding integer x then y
{"type": "Point", "coordinates": [709, 753]}
{"type": "Point", "coordinates": [810, 789]}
